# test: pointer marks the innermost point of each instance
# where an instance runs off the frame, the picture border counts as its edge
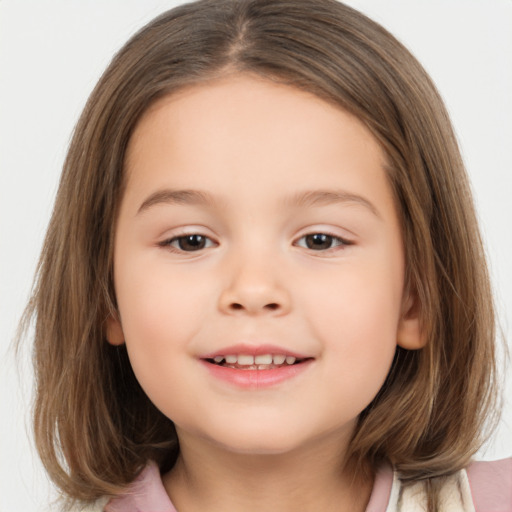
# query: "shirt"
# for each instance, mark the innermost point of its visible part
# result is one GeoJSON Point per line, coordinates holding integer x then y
{"type": "Point", "coordinates": [483, 487]}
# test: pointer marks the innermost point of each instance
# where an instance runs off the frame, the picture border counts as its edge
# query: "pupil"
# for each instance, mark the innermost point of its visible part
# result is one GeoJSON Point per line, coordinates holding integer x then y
{"type": "Point", "coordinates": [318, 241]}
{"type": "Point", "coordinates": [192, 242]}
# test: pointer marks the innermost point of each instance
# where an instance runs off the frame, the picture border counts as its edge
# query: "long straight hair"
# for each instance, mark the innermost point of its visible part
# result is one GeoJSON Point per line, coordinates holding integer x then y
{"type": "Point", "coordinates": [95, 429]}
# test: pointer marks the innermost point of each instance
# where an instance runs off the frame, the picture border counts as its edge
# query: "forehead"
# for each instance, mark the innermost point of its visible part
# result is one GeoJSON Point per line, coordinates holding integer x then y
{"type": "Point", "coordinates": [243, 135]}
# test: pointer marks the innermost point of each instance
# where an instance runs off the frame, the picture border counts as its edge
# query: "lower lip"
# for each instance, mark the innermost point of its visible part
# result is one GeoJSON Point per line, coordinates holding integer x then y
{"type": "Point", "coordinates": [256, 379]}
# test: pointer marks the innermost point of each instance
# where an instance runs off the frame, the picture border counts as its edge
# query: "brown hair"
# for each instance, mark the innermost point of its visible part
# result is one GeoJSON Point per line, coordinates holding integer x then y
{"type": "Point", "coordinates": [94, 426]}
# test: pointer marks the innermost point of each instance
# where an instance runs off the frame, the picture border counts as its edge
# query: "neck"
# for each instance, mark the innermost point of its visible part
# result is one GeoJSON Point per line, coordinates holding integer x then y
{"type": "Point", "coordinates": [312, 478]}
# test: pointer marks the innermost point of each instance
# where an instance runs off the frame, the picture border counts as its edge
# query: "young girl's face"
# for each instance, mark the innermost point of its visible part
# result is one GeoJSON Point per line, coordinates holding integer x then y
{"type": "Point", "coordinates": [257, 224]}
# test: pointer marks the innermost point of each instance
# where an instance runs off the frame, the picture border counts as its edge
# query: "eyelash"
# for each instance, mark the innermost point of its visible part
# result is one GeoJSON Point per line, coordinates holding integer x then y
{"type": "Point", "coordinates": [168, 243]}
{"type": "Point", "coordinates": [338, 241]}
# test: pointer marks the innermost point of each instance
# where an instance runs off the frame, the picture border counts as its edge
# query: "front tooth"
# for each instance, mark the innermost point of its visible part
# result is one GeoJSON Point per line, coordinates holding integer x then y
{"type": "Point", "coordinates": [218, 359]}
{"type": "Point", "coordinates": [263, 359]}
{"type": "Point", "coordinates": [279, 359]}
{"type": "Point", "coordinates": [245, 360]}
{"type": "Point", "coordinates": [290, 359]}
{"type": "Point", "coordinates": [231, 359]}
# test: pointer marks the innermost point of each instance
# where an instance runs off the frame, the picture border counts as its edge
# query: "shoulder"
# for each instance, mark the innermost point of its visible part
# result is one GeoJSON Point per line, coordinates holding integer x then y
{"type": "Point", "coordinates": [97, 506]}
{"type": "Point", "coordinates": [482, 487]}
{"type": "Point", "coordinates": [454, 495]}
{"type": "Point", "coordinates": [491, 485]}
{"type": "Point", "coordinates": [146, 492]}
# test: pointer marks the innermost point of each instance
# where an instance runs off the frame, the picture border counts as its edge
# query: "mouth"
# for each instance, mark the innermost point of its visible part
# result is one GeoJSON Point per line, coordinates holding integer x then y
{"type": "Point", "coordinates": [256, 362]}
{"type": "Point", "coordinates": [251, 367]}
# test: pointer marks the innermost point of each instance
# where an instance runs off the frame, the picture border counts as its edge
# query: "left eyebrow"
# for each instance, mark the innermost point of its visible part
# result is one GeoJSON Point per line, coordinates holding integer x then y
{"type": "Point", "coordinates": [328, 197]}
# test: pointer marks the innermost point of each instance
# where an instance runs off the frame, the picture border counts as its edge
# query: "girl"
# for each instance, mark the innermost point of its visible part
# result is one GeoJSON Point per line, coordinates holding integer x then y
{"type": "Point", "coordinates": [262, 286]}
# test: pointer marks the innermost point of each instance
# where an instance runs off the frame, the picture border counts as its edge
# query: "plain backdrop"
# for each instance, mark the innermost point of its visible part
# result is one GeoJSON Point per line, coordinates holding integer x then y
{"type": "Point", "coordinates": [53, 51]}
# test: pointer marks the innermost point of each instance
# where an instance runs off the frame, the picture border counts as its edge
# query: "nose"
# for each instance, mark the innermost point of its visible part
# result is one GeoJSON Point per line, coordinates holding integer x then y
{"type": "Point", "coordinates": [254, 287]}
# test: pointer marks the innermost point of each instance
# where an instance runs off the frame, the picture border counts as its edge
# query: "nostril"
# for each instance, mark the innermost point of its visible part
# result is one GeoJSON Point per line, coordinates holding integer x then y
{"type": "Point", "coordinates": [272, 306]}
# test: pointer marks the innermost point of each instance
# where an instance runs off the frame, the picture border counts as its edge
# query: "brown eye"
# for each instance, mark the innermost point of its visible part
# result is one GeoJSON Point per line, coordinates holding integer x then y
{"type": "Point", "coordinates": [189, 243]}
{"type": "Point", "coordinates": [321, 241]}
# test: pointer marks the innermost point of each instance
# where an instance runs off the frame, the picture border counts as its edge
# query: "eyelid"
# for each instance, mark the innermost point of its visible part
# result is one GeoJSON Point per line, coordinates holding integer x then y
{"type": "Point", "coordinates": [344, 241]}
{"type": "Point", "coordinates": [178, 233]}
{"type": "Point", "coordinates": [168, 244]}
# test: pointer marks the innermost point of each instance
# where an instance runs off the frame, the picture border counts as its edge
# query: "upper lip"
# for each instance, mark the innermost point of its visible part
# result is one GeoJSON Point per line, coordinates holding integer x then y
{"type": "Point", "coordinates": [253, 350]}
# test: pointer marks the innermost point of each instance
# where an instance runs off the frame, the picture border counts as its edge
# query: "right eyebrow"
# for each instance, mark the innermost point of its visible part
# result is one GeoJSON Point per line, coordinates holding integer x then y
{"type": "Point", "coordinates": [169, 196]}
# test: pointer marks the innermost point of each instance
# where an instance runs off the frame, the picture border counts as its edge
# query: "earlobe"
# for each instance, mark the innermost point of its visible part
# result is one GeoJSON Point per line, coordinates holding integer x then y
{"type": "Point", "coordinates": [410, 332]}
{"type": "Point", "coordinates": [114, 331]}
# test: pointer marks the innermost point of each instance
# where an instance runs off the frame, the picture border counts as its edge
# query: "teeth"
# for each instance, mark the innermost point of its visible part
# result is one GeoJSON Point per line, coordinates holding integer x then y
{"type": "Point", "coordinates": [245, 360]}
{"type": "Point", "coordinates": [279, 359]}
{"type": "Point", "coordinates": [264, 359]}
{"type": "Point", "coordinates": [248, 360]}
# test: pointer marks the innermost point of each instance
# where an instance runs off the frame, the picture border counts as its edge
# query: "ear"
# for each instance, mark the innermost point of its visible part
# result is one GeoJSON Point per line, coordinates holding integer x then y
{"type": "Point", "coordinates": [115, 335]}
{"type": "Point", "coordinates": [410, 334]}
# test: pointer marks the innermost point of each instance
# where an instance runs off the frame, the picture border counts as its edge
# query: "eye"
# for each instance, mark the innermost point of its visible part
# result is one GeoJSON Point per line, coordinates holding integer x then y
{"type": "Point", "coordinates": [321, 241]}
{"type": "Point", "coordinates": [188, 243]}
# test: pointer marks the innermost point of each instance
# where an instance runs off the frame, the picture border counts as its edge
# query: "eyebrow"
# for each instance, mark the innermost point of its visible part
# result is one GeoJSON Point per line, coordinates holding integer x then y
{"type": "Point", "coordinates": [307, 198]}
{"type": "Point", "coordinates": [168, 196]}
{"type": "Point", "coordinates": [328, 197]}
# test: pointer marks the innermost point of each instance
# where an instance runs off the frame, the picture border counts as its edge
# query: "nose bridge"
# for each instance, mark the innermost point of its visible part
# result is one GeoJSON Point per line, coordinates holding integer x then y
{"type": "Point", "coordinates": [253, 282]}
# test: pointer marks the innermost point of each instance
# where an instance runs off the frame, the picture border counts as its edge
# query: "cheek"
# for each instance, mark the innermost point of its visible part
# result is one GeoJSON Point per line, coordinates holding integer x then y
{"type": "Point", "coordinates": [356, 316]}
{"type": "Point", "coordinates": [357, 299]}
{"type": "Point", "coordinates": [160, 315]}
{"type": "Point", "coordinates": [158, 306]}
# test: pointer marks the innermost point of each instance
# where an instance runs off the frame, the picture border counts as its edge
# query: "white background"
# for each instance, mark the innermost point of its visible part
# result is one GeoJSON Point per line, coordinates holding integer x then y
{"type": "Point", "coordinates": [53, 52]}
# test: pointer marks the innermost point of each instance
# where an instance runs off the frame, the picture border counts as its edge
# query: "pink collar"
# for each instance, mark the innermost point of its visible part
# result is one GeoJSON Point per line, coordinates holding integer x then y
{"type": "Point", "coordinates": [147, 493]}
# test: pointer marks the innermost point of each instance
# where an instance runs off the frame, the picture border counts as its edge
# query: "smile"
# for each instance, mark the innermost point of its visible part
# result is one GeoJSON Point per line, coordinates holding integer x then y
{"type": "Point", "coordinates": [250, 367]}
{"type": "Point", "coordinates": [259, 362]}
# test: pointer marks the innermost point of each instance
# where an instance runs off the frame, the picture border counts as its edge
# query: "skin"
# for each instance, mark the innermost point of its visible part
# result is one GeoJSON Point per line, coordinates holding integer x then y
{"type": "Point", "coordinates": [252, 145]}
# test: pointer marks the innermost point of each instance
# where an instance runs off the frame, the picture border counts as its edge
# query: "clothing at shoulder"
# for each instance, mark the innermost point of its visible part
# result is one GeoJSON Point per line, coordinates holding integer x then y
{"type": "Point", "coordinates": [491, 485]}
{"type": "Point", "coordinates": [483, 487]}
{"type": "Point", "coordinates": [145, 494]}
{"type": "Point", "coordinates": [97, 506]}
